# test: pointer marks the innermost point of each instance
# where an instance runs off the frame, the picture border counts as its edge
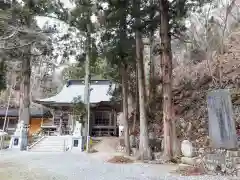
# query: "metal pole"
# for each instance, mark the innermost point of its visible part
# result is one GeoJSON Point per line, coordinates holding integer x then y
{"type": "Point", "coordinates": [87, 84]}
{"type": "Point", "coordinates": [88, 120]}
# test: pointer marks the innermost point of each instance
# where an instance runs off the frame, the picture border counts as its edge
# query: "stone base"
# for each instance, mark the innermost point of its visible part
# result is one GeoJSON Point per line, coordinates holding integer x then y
{"type": "Point", "coordinates": [184, 166]}
{"type": "Point", "coordinates": [190, 160]}
{"type": "Point", "coordinates": [76, 143]}
{"type": "Point", "coordinates": [134, 151]}
{"type": "Point", "coordinates": [15, 142]}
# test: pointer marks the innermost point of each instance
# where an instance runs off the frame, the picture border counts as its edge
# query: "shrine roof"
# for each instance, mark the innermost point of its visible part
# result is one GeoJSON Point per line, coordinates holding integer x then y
{"type": "Point", "coordinates": [74, 89]}
{"type": "Point", "coordinates": [34, 112]}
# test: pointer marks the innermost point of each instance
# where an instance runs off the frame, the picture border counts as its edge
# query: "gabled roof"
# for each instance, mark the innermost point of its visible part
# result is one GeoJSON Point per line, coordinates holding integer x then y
{"type": "Point", "coordinates": [75, 89]}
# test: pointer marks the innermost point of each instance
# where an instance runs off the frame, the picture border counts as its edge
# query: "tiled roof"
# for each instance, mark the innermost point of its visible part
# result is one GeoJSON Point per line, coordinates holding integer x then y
{"type": "Point", "coordinates": [75, 89]}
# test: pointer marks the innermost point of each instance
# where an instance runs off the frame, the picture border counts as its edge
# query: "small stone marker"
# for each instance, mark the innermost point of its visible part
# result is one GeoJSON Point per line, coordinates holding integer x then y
{"type": "Point", "coordinates": [221, 125]}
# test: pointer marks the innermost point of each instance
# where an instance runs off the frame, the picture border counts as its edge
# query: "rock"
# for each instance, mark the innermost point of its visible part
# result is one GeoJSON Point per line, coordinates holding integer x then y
{"type": "Point", "coordinates": [152, 135]}
{"type": "Point", "coordinates": [187, 149]}
{"type": "Point", "coordinates": [201, 151]}
{"type": "Point", "coordinates": [157, 155]}
{"type": "Point", "coordinates": [211, 166]}
{"type": "Point", "coordinates": [189, 161]}
{"type": "Point", "coordinates": [238, 170]}
{"type": "Point", "coordinates": [201, 130]}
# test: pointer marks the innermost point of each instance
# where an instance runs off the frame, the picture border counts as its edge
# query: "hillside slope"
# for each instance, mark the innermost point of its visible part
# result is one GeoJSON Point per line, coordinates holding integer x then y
{"type": "Point", "coordinates": [192, 83]}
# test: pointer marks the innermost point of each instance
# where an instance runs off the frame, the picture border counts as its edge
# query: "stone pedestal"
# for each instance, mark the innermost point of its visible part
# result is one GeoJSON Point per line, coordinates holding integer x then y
{"type": "Point", "coordinates": [189, 154]}
{"type": "Point", "coordinates": [19, 138]}
{"type": "Point", "coordinates": [76, 141]}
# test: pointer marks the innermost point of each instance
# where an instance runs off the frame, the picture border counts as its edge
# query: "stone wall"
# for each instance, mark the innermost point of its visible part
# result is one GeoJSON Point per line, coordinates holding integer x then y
{"type": "Point", "coordinates": [223, 162]}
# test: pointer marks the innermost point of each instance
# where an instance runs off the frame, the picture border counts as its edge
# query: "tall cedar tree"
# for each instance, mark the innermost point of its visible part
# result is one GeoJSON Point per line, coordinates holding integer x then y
{"type": "Point", "coordinates": [118, 48]}
{"type": "Point", "coordinates": [172, 22]}
{"type": "Point", "coordinates": [144, 149]}
{"type": "Point", "coordinates": [23, 16]}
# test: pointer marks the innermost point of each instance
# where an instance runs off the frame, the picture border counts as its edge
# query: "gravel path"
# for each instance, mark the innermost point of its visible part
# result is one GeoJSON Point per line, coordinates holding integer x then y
{"type": "Point", "coordinates": [78, 166]}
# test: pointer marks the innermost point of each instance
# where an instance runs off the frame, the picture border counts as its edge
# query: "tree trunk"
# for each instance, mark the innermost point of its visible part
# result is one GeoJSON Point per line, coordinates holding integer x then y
{"type": "Point", "coordinates": [144, 149]}
{"type": "Point", "coordinates": [152, 85]}
{"type": "Point", "coordinates": [136, 114]}
{"type": "Point", "coordinates": [125, 108]}
{"type": "Point", "coordinates": [166, 63]}
{"type": "Point", "coordinates": [24, 110]}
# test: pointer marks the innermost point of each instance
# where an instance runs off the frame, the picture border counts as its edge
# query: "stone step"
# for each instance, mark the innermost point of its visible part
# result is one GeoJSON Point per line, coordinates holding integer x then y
{"type": "Point", "coordinates": [47, 150]}
{"type": "Point", "coordinates": [47, 146]}
{"type": "Point", "coordinates": [50, 147]}
{"type": "Point", "coordinates": [50, 144]}
{"type": "Point", "coordinates": [53, 143]}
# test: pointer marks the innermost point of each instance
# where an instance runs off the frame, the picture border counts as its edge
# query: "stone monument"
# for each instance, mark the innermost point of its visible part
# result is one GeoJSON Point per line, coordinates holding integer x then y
{"type": "Point", "coordinates": [187, 149]}
{"type": "Point", "coordinates": [77, 138]}
{"type": "Point", "coordinates": [189, 157]}
{"type": "Point", "coordinates": [222, 130]}
{"type": "Point", "coordinates": [19, 138]}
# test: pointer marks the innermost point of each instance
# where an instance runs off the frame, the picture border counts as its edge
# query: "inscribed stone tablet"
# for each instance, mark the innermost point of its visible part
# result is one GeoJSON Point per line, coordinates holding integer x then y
{"type": "Point", "coordinates": [222, 129]}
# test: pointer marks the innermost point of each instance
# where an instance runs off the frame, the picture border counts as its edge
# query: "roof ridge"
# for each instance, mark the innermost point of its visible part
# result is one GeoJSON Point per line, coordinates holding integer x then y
{"type": "Point", "coordinates": [93, 82]}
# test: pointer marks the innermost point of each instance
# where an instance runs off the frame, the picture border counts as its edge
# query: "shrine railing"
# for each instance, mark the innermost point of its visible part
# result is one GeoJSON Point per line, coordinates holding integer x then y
{"type": "Point", "coordinates": [35, 141]}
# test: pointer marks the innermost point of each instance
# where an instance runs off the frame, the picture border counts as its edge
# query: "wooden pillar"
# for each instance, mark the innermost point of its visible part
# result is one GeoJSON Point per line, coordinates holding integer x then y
{"type": "Point", "coordinates": [53, 114]}
{"type": "Point", "coordinates": [115, 122]}
{"type": "Point", "coordinates": [7, 124]}
{"type": "Point", "coordinates": [41, 122]}
{"type": "Point", "coordinates": [60, 122]}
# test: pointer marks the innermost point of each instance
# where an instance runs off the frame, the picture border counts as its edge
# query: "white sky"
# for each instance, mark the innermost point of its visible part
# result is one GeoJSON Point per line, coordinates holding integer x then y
{"type": "Point", "coordinates": [63, 27]}
{"type": "Point", "coordinates": [41, 21]}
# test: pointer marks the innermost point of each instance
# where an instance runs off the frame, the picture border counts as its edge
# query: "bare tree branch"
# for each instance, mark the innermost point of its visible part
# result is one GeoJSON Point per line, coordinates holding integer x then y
{"type": "Point", "coordinates": [180, 38]}
{"type": "Point", "coordinates": [10, 36]}
{"type": "Point", "coordinates": [16, 47]}
{"type": "Point", "coordinates": [228, 11]}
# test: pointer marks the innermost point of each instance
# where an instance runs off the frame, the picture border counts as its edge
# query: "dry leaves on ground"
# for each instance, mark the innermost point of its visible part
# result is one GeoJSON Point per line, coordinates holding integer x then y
{"type": "Point", "coordinates": [120, 159]}
{"type": "Point", "coordinates": [192, 171]}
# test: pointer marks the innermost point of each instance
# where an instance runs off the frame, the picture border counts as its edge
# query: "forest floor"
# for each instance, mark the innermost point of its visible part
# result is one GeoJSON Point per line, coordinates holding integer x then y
{"type": "Point", "coordinates": [71, 166]}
